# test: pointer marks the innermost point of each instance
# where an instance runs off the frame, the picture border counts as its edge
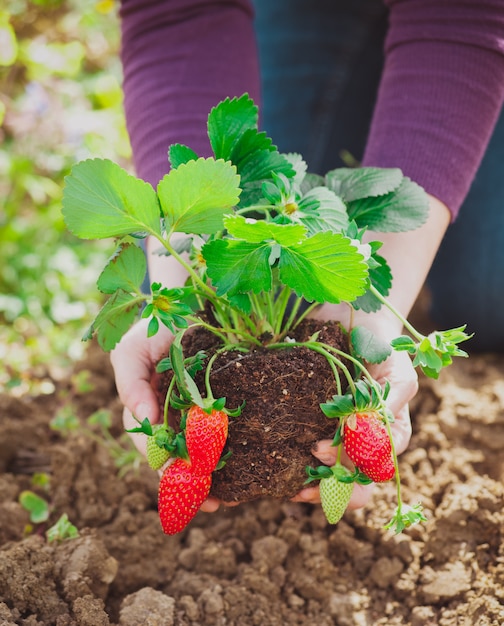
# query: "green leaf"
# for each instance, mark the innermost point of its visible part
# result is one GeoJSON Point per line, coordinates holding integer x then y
{"type": "Point", "coordinates": [125, 270]}
{"type": "Point", "coordinates": [401, 210]}
{"type": "Point", "coordinates": [324, 268]}
{"type": "Point", "coordinates": [62, 530]}
{"type": "Point", "coordinates": [339, 406]}
{"type": "Point", "coordinates": [262, 164]}
{"type": "Point", "coordinates": [310, 181]}
{"type": "Point", "coordinates": [153, 327]}
{"type": "Point", "coordinates": [257, 231]}
{"type": "Point", "coordinates": [228, 121]}
{"type": "Point", "coordinates": [178, 154]}
{"type": "Point", "coordinates": [381, 278]}
{"type": "Point", "coordinates": [238, 266]}
{"type": "Point", "coordinates": [368, 346]}
{"type": "Point", "coordinates": [363, 182]}
{"type": "Point", "coordinates": [193, 390]}
{"type": "Point", "coordinates": [196, 196]}
{"type": "Point", "coordinates": [101, 200]}
{"type": "Point", "coordinates": [177, 361]}
{"type": "Point", "coordinates": [250, 143]}
{"type": "Point", "coordinates": [35, 505]}
{"type": "Point", "coordinates": [402, 343]}
{"type": "Point", "coordinates": [323, 210]}
{"type": "Point", "coordinates": [241, 301]}
{"type": "Point", "coordinates": [406, 516]}
{"type": "Point", "coordinates": [116, 316]}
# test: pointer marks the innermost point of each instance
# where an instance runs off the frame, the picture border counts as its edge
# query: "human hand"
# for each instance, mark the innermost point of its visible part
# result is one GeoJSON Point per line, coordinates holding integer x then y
{"type": "Point", "coordinates": [134, 359]}
{"type": "Point", "coordinates": [397, 370]}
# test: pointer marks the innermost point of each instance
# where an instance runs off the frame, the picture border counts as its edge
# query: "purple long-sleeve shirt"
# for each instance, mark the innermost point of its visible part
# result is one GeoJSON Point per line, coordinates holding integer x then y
{"type": "Point", "coordinates": [441, 90]}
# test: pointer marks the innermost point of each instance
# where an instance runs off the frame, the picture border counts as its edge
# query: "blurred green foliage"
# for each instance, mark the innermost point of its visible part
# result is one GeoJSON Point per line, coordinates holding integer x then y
{"type": "Point", "coordinates": [60, 102]}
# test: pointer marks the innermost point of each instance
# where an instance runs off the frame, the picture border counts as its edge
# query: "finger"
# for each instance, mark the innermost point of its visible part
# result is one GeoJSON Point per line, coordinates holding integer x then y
{"type": "Point", "coordinates": [211, 504]}
{"type": "Point", "coordinates": [401, 430]}
{"type": "Point", "coordinates": [133, 376]}
{"type": "Point", "coordinates": [360, 496]}
{"type": "Point", "coordinates": [403, 383]}
{"type": "Point", "coordinates": [325, 452]}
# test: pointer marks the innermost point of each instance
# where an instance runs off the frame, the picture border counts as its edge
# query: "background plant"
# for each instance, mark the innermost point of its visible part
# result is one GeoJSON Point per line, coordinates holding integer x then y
{"type": "Point", "coordinates": [60, 101]}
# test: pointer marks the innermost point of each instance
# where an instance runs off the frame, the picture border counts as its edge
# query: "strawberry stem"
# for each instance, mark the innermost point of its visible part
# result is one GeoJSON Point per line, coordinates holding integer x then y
{"type": "Point", "coordinates": [397, 314]}
{"type": "Point", "coordinates": [167, 401]}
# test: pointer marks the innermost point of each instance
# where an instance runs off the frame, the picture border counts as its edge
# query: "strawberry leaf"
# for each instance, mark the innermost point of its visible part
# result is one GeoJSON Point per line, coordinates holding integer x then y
{"type": "Point", "coordinates": [257, 231]}
{"type": "Point", "coordinates": [380, 276]}
{"type": "Point", "coordinates": [321, 209]}
{"type": "Point", "coordinates": [101, 200]}
{"type": "Point", "coordinates": [262, 164]}
{"type": "Point", "coordinates": [125, 270]}
{"type": "Point", "coordinates": [228, 121]}
{"type": "Point", "coordinates": [178, 154]}
{"type": "Point", "coordinates": [363, 182]}
{"type": "Point", "coordinates": [368, 346]}
{"type": "Point", "coordinates": [324, 268]}
{"type": "Point", "coordinates": [339, 406]}
{"type": "Point", "coordinates": [238, 266]}
{"type": "Point", "coordinates": [196, 196]}
{"type": "Point", "coordinates": [404, 209]}
{"type": "Point", "coordinates": [116, 317]}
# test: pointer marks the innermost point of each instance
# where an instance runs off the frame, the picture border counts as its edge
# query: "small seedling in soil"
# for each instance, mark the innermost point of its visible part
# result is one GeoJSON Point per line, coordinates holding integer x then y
{"type": "Point", "coordinates": [37, 507]}
{"type": "Point", "coordinates": [63, 529]}
{"type": "Point", "coordinates": [263, 243]}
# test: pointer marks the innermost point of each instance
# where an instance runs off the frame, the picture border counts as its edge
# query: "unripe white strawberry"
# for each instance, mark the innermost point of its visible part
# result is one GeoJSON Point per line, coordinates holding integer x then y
{"type": "Point", "coordinates": [334, 496]}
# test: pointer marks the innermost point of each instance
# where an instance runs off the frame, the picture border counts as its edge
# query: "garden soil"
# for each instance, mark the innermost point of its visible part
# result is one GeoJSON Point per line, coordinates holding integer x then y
{"type": "Point", "coordinates": [263, 563]}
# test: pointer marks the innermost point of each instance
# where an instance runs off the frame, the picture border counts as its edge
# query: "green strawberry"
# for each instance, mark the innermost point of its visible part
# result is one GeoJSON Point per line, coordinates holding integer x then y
{"type": "Point", "coordinates": [156, 456]}
{"type": "Point", "coordinates": [335, 495]}
{"type": "Point", "coordinates": [157, 446]}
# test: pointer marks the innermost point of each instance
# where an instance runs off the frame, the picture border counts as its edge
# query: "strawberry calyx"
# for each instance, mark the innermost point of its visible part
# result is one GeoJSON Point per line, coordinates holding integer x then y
{"type": "Point", "coordinates": [405, 516]}
{"type": "Point", "coordinates": [164, 437]}
{"type": "Point", "coordinates": [342, 473]}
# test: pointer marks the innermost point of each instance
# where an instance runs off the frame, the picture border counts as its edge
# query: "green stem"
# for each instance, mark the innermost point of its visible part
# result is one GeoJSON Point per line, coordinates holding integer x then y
{"type": "Point", "coordinates": [211, 361]}
{"type": "Point", "coordinates": [257, 208]}
{"type": "Point", "coordinates": [305, 314]}
{"type": "Point", "coordinates": [397, 314]}
{"type": "Point", "coordinates": [281, 306]}
{"type": "Point", "coordinates": [223, 331]}
{"type": "Point", "coordinates": [167, 402]}
{"type": "Point", "coordinates": [210, 293]}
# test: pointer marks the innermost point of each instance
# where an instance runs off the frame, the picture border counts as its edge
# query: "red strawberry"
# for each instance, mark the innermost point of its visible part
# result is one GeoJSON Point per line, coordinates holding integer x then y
{"type": "Point", "coordinates": [367, 444]}
{"type": "Point", "coordinates": [181, 493]}
{"type": "Point", "coordinates": [205, 435]}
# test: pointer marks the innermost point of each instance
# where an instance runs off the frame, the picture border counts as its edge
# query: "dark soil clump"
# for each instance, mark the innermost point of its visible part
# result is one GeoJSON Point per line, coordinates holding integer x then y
{"type": "Point", "coordinates": [270, 441]}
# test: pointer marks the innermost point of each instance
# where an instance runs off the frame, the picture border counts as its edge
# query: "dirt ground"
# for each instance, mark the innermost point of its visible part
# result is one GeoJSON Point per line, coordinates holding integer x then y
{"type": "Point", "coordinates": [265, 563]}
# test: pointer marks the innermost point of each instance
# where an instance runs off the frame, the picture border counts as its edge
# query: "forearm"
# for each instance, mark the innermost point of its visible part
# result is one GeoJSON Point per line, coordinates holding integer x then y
{"type": "Point", "coordinates": [440, 94]}
{"type": "Point", "coordinates": [410, 256]}
{"type": "Point", "coordinates": [180, 58]}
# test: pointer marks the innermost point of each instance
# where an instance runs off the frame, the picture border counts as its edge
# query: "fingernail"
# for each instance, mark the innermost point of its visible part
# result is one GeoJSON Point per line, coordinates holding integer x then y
{"type": "Point", "coordinates": [142, 411]}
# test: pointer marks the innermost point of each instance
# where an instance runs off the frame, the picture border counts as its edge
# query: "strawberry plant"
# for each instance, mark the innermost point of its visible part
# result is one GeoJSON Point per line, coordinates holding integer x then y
{"type": "Point", "coordinates": [263, 242]}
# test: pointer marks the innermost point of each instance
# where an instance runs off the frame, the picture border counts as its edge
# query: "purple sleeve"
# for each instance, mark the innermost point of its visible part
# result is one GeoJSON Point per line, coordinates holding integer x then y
{"type": "Point", "coordinates": [180, 58]}
{"type": "Point", "coordinates": [440, 94]}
